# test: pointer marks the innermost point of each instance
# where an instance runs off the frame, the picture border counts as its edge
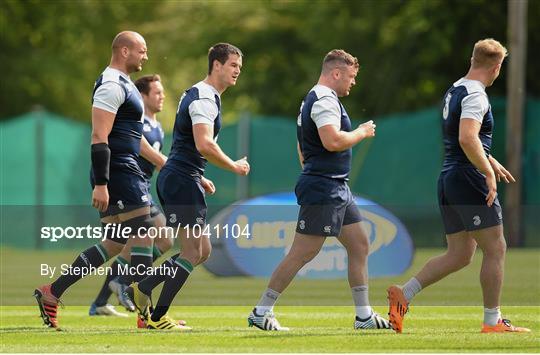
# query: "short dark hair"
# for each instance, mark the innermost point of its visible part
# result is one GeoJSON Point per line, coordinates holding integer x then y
{"type": "Point", "coordinates": [337, 58]}
{"type": "Point", "coordinates": [221, 53]}
{"type": "Point", "coordinates": [143, 83]}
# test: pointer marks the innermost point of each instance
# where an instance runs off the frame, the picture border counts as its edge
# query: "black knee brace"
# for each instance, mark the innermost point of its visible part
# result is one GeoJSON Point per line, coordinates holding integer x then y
{"type": "Point", "coordinates": [137, 223]}
{"type": "Point", "coordinates": [113, 232]}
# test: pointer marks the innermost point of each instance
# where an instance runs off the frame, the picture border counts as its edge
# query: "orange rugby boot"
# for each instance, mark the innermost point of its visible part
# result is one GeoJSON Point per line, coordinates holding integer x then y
{"type": "Point", "coordinates": [503, 326]}
{"type": "Point", "coordinates": [398, 307]}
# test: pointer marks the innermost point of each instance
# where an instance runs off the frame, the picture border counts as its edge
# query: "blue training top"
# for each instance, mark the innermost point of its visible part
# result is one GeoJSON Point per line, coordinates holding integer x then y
{"type": "Point", "coordinates": [199, 104]}
{"type": "Point", "coordinates": [466, 99]}
{"type": "Point", "coordinates": [320, 107]}
{"type": "Point", "coordinates": [120, 96]}
{"type": "Point", "coordinates": [154, 134]}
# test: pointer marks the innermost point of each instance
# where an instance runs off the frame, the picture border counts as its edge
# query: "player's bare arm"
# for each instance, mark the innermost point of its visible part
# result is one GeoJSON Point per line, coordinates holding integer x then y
{"type": "Point", "coordinates": [102, 122]}
{"type": "Point", "coordinates": [152, 155]}
{"type": "Point", "coordinates": [203, 135]}
{"type": "Point", "coordinates": [335, 140]}
{"type": "Point", "coordinates": [472, 147]}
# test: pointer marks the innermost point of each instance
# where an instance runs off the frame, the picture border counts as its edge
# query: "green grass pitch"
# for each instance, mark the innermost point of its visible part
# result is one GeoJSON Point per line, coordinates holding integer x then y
{"type": "Point", "coordinates": [444, 318]}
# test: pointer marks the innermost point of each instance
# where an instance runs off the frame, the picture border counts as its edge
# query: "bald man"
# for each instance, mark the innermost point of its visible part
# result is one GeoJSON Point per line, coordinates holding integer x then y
{"type": "Point", "coordinates": [120, 192]}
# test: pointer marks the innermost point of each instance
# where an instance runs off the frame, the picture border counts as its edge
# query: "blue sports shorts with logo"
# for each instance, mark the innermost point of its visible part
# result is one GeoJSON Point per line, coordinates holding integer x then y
{"type": "Point", "coordinates": [182, 198]}
{"type": "Point", "coordinates": [462, 201]}
{"type": "Point", "coordinates": [127, 191]}
{"type": "Point", "coordinates": [325, 206]}
{"type": "Point", "coordinates": [155, 209]}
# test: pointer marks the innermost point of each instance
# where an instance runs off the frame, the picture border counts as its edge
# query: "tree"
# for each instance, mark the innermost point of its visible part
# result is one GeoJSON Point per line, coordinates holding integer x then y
{"type": "Point", "coordinates": [410, 51]}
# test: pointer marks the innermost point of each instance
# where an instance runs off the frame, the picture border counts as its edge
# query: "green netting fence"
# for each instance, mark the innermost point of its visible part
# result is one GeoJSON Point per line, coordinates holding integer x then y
{"type": "Point", "coordinates": [45, 161]}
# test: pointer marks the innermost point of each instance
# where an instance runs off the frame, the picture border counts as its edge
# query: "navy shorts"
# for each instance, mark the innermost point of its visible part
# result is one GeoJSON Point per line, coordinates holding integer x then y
{"type": "Point", "coordinates": [462, 201]}
{"type": "Point", "coordinates": [182, 199]}
{"type": "Point", "coordinates": [155, 210]}
{"type": "Point", "coordinates": [325, 206]}
{"type": "Point", "coordinates": [127, 192]}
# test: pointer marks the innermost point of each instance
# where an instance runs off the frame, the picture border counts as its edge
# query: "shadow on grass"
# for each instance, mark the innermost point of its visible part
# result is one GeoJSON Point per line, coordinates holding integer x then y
{"type": "Point", "coordinates": [43, 329]}
{"type": "Point", "coordinates": [322, 334]}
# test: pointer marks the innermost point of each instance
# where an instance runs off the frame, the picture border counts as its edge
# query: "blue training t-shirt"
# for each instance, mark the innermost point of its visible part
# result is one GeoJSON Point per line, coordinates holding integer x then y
{"type": "Point", "coordinates": [198, 105]}
{"type": "Point", "coordinates": [154, 134]}
{"type": "Point", "coordinates": [466, 99]}
{"type": "Point", "coordinates": [115, 92]}
{"type": "Point", "coordinates": [321, 107]}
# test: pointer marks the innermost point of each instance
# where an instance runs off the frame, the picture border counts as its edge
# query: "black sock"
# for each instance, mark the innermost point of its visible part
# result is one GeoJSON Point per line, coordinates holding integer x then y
{"type": "Point", "coordinates": [92, 257]}
{"type": "Point", "coordinates": [126, 279]}
{"type": "Point", "coordinates": [140, 256]}
{"type": "Point", "coordinates": [105, 292]}
{"type": "Point", "coordinates": [149, 283]}
{"type": "Point", "coordinates": [171, 287]}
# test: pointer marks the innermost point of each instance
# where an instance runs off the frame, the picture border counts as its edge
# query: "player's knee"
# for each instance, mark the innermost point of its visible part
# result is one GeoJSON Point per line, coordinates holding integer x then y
{"type": "Point", "coordinates": [498, 249]}
{"type": "Point", "coordinates": [457, 260]}
{"type": "Point", "coordinates": [503, 246]}
{"type": "Point", "coordinates": [495, 249]}
{"type": "Point", "coordinates": [308, 256]}
{"type": "Point", "coordinates": [358, 251]}
{"type": "Point", "coordinates": [363, 247]}
{"type": "Point", "coordinates": [463, 260]}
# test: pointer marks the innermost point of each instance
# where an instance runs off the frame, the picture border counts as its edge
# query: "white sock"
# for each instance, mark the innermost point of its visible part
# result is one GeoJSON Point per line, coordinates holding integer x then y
{"type": "Point", "coordinates": [411, 288]}
{"type": "Point", "coordinates": [492, 315]}
{"type": "Point", "coordinates": [267, 301]}
{"type": "Point", "coordinates": [361, 301]}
